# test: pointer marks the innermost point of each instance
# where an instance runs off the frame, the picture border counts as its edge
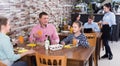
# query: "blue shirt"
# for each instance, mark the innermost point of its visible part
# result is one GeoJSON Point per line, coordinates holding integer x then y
{"type": "Point", "coordinates": [7, 55]}
{"type": "Point", "coordinates": [110, 18]}
{"type": "Point", "coordinates": [93, 25]}
{"type": "Point", "coordinates": [82, 40]}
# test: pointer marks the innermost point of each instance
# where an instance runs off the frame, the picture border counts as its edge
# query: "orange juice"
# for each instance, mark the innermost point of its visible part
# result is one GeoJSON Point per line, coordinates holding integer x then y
{"type": "Point", "coordinates": [74, 42]}
{"type": "Point", "coordinates": [21, 39]}
{"type": "Point", "coordinates": [39, 33]}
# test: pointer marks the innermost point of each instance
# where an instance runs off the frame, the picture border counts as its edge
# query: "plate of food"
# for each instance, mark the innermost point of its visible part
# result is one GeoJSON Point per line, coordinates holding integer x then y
{"type": "Point", "coordinates": [22, 50]}
{"type": "Point", "coordinates": [31, 45]}
{"type": "Point", "coordinates": [68, 46]}
{"type": "Point", "coordinates": [55, 47]}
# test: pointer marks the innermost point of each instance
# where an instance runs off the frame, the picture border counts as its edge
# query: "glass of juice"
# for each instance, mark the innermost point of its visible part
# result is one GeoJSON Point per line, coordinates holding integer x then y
{"type": "Point", "coordinates": [21, 39]}
{"type": "Point", "coordinates": [39, 32]}
{"type": "Point", "coordinates": [74, 41]}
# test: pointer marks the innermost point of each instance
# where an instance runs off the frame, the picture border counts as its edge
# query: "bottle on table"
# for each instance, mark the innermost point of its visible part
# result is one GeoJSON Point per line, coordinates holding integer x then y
{"type": "Point", "coordinates": [47, 42]}
{"type": "Point", "coordinates": [60, 27]}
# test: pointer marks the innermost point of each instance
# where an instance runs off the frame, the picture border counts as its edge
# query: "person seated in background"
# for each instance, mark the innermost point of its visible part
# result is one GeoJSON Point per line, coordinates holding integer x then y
{"type": "Point", "coordinates": [39, 32]}
{"type": "Point", "coordinates": [7, 55]}
{"type": "Point", "coordinates": [75, 17]}
{"type": "Point", "coordinates": [77, 34]}
{"type": "Point", "coordinates": [91, 24]}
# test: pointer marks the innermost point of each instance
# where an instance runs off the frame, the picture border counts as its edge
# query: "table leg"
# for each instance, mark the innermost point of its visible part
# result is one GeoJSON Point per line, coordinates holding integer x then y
{"type": "Point", "coordinates": [91, 60]}
{"type": "Point", "coordinates": [99, 47]}
{"type": "Point", "coordinates": [97, 51]}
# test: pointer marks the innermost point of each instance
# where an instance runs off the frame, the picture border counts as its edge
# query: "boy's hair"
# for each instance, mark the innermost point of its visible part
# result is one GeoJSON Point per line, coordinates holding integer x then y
{"type": "Point", "coordinates": [91, 17]}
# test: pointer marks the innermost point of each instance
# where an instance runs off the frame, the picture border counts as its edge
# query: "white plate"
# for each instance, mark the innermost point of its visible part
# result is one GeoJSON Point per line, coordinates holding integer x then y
{"type": "Point", "coordinates": [55, 47]}
{"type": "Point", "coordinates": [65, 31]}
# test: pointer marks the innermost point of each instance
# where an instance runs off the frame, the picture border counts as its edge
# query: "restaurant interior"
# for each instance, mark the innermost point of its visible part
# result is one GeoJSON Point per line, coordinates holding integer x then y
{"type": "Point", "coordinates": [87, 49]}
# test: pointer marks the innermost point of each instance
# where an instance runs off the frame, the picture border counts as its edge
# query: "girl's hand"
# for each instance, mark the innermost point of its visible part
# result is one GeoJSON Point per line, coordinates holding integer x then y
{"type": "Point", "coordinates": [63, 43]}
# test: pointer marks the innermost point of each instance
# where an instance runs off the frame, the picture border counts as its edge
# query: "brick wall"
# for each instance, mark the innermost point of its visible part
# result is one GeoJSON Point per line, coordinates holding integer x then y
{"type": "Point", "coordinates": [24, 13]}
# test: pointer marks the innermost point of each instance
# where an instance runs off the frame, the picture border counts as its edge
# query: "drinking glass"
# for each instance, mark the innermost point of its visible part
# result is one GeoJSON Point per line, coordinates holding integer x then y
{"type": "Point", "coordinates": [21, 39]}
{"type": "Point", "coordinates": [39, 33]}
{"type": "Point", "coordinates": [74, 42]}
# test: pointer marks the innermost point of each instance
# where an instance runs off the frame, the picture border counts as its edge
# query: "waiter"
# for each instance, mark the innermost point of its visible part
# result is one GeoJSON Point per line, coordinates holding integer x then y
{"type": "Point", "coordinates": [109, 19]}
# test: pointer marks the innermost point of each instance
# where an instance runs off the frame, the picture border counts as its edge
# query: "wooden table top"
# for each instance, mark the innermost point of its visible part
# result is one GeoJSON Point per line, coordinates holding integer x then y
{"type": "Point", "coordinates": [76, 53]}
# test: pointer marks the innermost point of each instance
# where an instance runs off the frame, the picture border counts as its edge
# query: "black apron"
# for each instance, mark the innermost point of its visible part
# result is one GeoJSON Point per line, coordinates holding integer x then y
{"type": "Point", "coordinates": [106, 29]}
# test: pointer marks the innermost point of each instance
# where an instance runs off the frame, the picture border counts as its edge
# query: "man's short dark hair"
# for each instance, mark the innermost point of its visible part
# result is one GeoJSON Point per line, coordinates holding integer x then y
{"type": "Point", "coordinates": [42, 13]}
{"type": "Point", "coordinates": [91, 17]}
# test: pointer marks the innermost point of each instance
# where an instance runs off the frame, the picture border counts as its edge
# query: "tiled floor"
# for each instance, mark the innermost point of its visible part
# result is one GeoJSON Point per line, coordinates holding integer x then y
{"type": "Point", "coordinates": [115, 47]}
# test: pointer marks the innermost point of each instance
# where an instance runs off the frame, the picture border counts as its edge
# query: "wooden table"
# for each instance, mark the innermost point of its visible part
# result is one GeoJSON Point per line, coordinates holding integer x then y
{"type": "Point", "coordinates": [75, 56]}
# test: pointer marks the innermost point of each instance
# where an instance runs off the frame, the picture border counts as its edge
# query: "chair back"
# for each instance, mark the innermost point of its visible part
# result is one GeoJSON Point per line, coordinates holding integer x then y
{"type": "Point", "coordinates": [1, 64]}
{"type": "Point", "coordinates": [91, 37]}
{"type": "Point", "coordinates": [45, 60]}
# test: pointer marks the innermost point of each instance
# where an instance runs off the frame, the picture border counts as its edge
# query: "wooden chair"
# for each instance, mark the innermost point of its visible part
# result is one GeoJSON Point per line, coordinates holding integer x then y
{"type": "Point", "coordinates": [1, 64]}
{"type": "Point", "coordinates": [44, 60]}
{"type": "Point", "coordinates": [92, 38]}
